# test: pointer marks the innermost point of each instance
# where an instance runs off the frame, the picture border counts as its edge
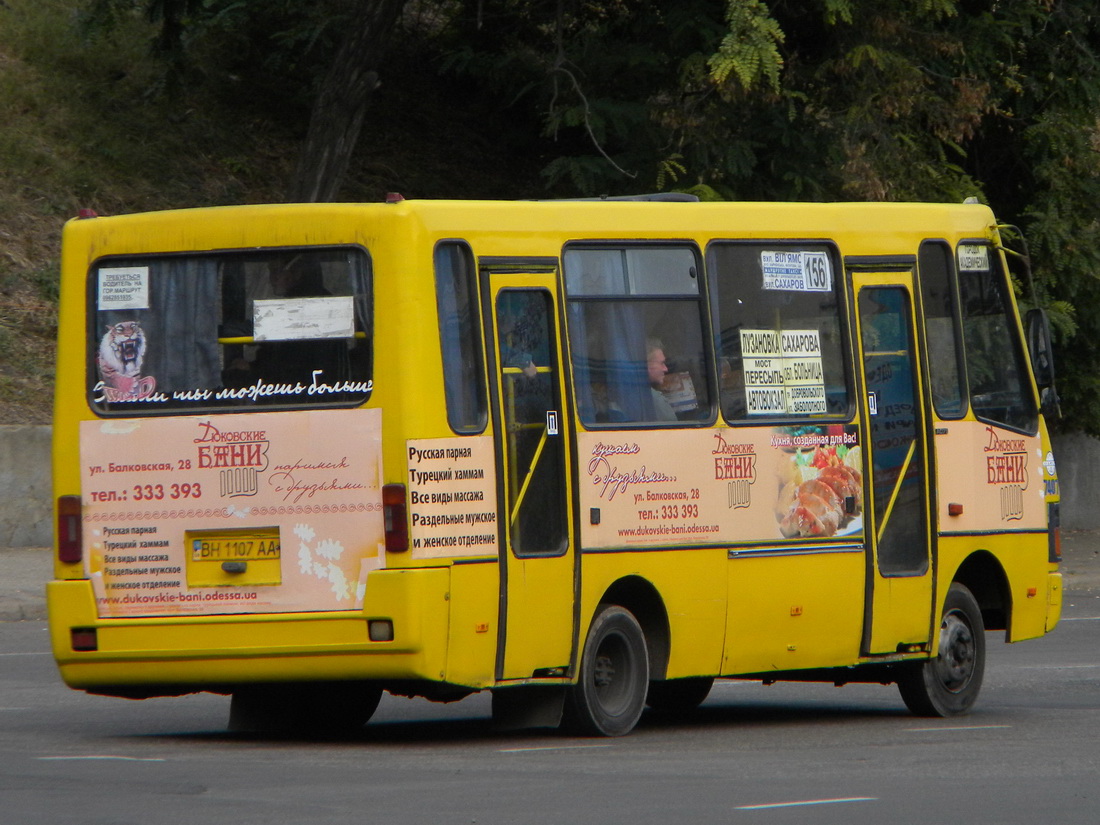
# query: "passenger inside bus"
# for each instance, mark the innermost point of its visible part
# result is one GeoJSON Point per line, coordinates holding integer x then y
{"type": "Point", "coordinates": [657, 368]}
{"type": "Point", "coordinates": [513, 349]}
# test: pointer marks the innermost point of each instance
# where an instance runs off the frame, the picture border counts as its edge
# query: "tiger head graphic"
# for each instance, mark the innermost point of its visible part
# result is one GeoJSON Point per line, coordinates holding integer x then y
{"type": "Point", "coordinates": [121, 353]}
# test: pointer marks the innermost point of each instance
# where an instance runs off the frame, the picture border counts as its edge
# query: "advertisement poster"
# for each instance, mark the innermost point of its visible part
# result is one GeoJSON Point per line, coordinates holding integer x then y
{"type": "Point", "coordinates": [727, 486]}
{"type": "Point", "coordinates": [266, 512]}
{"type": "Point", "coordinates": [1000, 477]}
{"type": "Point", "coordinates": [452, 497]}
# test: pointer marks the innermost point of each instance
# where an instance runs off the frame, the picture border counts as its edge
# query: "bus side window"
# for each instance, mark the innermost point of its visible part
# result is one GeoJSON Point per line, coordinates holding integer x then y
{"type": "Point", "coordinates": [636, 331]}
{"type": "Point", "coordinates": [942, 329]}
{"type": "Point", "coordinates": [460, 337]}
{"type": "Point", "coordinates": [779, 335]}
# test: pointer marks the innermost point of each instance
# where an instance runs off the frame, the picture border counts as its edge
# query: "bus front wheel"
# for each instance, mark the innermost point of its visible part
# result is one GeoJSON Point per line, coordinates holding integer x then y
{"type": "Point", "coordinates": [609, 696]}
{"type": "Point", "coordinates": [949, 684]}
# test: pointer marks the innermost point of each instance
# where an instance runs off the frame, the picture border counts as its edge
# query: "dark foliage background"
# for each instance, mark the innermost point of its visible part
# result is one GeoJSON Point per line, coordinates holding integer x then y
{"type": "Point", "coordinates": [128, 105]}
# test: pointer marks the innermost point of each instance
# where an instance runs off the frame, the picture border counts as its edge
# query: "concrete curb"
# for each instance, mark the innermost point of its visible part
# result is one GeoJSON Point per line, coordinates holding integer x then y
{"type": "Point", "coordinates": [26, 479]}
{"type": "Point", "coordinates": [24, 572]}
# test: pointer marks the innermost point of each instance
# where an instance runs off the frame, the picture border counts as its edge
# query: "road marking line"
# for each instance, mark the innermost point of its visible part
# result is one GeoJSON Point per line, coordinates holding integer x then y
{"type": "Point", "coordinates": [101, 757]}
{"type": "Point", "coordinates": [553, 748]}
{"type": "Point", "coordinates": [961, 727]}
{"type": "Point", "coordinates": [35, 653]}
{"type": "Point", "coordinates": [806, 803]}
{"type": "Point", "coordinates": [1080, 619]}
{"type": "Point", "coordinates": [1058, 667]}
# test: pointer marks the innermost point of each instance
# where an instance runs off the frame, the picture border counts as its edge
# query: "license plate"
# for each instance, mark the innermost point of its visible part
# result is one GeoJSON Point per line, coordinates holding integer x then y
{"type": "Point", "coordinates": [251, 545]}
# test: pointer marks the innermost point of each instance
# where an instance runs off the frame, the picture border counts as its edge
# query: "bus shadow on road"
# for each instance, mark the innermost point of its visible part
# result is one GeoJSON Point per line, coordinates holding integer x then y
{"type": "Point", "coordinates": [757, 714]}
{"type": "Point", "coordinates": [715, 714]}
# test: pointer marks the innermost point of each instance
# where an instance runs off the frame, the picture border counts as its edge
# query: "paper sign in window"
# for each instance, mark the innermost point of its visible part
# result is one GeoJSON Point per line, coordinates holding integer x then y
{"type": "Point", "coordinates": [796, 271]}
{"type": "Point", "coordinates": [679, 391]}
{"type": "Point", "coordinates": [783, 372]}
{"type": "Point", "coordinates": [973, 258]}
{"type": "Point", "coordinates": [123, 287]}
{"type": "Point", "coordinates": [295, 319]}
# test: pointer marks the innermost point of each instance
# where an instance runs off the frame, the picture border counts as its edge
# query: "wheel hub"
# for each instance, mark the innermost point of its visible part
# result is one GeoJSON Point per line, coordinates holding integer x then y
{"type": "Point", "coordinates": [955, 664]}
{"type": "Point", "coordinates": [604, 672]}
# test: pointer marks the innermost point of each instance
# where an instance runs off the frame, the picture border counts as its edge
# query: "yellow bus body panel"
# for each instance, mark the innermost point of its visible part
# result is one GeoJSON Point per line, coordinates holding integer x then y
{"type": "Point", "coordinates": [691, 583]}
{"type": "Point", "coordinates": [198, 652]}
{"type": "Point", "coordinates": [1034, 589]}
{"type": "Point", "coordinates": [794, 612]}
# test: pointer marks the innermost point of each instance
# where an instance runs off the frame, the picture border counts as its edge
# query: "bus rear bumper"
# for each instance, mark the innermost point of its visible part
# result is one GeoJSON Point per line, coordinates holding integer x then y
{"type": "Point", "coordinates": [150, 656]}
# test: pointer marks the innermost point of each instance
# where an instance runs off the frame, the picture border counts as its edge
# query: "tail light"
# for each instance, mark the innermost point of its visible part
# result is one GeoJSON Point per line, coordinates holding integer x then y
{"type": "Point", "coordinates": [69, 530]}
{"type": "Point", "coordinates": [395, 515]}
{"type": "Point", "coordinates": [84, 638]}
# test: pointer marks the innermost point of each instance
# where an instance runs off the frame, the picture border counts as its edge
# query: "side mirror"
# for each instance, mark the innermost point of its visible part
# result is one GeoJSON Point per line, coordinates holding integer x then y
{"type": "Point", "coordinates": [1037, 329]}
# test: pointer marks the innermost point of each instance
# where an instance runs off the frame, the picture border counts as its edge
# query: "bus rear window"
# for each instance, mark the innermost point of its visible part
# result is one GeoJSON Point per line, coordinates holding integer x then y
{"type": "Point", "coordinates": [230, 331]}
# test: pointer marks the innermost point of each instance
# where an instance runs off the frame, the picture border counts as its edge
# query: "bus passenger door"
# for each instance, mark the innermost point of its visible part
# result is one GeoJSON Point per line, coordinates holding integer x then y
{"type": "Point", "coordinates": [533, 472]}
{"type": "Point", "coordinates": [900, 577]}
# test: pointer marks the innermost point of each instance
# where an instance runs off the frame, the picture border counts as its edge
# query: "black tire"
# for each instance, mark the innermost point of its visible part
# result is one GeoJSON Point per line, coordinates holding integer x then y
{"type": "Point", "coordinates": [609, 696]}
{"type": "Point", "coordinates": [949, 684]}
{"type": "Point", "coordinates": [303, 709]}
{"type": "Point", "coordinates": [675, 696]}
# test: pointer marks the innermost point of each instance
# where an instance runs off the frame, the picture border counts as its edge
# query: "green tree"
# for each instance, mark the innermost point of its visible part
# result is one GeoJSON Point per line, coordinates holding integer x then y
{"type": "Point", "coordinates": [325, 54]}
{"type": "Point", "coordinates": [835, 99]}
{"type": "Point", "coordinates": [341, 101]}
{"type": "Point", "coordinates": [748, 99]}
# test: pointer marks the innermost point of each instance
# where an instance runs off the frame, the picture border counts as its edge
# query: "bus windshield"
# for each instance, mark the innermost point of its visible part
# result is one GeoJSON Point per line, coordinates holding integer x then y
{"type": "Point", "coordinates": [995, 362]}
{"type": "Point", "coordinates": [229, 330]}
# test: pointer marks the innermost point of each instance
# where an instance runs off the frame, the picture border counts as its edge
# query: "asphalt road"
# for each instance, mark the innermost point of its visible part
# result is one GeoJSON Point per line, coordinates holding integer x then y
{"type": "Point", "coordinates": [1029, 753]}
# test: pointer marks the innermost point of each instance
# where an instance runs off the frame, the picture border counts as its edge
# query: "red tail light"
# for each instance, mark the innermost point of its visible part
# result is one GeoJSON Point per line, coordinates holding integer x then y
{"type": "Point", "coordinates": [395, 515]}
{"type": "Point", "coordinates": [69, 530]}
{"type": "Point", "coordinates": [84, 638]}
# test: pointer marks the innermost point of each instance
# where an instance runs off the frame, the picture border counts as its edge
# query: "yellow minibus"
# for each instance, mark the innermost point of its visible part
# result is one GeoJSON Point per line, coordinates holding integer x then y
{"type": "Point", "coordinates": [587, 455]}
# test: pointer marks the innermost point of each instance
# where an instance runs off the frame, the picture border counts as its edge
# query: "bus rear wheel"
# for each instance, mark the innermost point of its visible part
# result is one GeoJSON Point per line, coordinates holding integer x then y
{"type": "Point", "coordinates": [609, 696]}
{"type": "Point", "coordinates": [949, 684]}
